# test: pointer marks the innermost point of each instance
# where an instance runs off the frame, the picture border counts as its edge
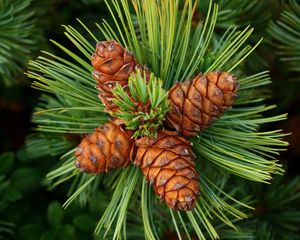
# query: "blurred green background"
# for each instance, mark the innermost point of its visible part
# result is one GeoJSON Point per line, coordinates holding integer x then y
{"type": "Point", "coordinates": [28, 210]}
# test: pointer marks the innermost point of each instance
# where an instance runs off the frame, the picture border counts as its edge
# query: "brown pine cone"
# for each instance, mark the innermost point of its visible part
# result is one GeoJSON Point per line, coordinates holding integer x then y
{"type": "Point", "coordinates": [112, 64]}
{"type": "Point", "coordinates": [167, 162]}
{"type": "Point", "coordinates": [197, 103]}
{"type": "Point", "coordinates": [107, 148]}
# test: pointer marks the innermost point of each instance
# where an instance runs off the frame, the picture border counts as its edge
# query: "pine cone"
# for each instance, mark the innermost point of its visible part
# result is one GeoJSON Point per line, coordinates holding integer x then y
{"type": "Point", "coordinates": [107, 148]}
{"type": "Point", "coordinates": [167, 162]}
{"type": "Point", "coordinates": [112, 64]}
{"type": "Point", "coordinates": [197, 103]}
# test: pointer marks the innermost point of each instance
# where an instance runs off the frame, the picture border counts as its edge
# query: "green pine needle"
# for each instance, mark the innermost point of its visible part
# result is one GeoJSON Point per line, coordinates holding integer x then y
{"type": "Point", "coordinates": [277, 214]}
{"type": "Point", "coordinates": [287, 32]}
{"type": "Point", "coordinates": [143, 110]}
{"type": "Point", "coordinates": [116, 210]}
{"type": "Point", "coordinates": [18, 38]}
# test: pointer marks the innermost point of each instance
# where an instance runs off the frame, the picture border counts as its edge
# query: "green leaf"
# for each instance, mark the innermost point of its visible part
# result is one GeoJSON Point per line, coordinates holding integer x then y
{"type": "Point", "coordinates": [84, 223]}
{"type": "Point", "coordinates": [51, 235]}
{"type": "Point", "coordinates": [30, 231]}
{"type": "Point", "coordinates": [11, 194]}
{"type": "Point", "coordinates": [55, 214]}
{"type": "Point", "coordinates": [98, 206]}
{"type": "Point", "coordinates": [68, 232]}
{"type": "Point", "coordinates": [6, 162]}
{"type": "Point", "coordinates": [25, 179]}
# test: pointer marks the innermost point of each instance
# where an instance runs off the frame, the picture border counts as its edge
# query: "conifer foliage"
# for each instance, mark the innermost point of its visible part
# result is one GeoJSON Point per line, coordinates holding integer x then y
{"type": "Point", "coordinates": [161, 36]}
{"type": "Point", "coordinates": [287, 31]}
{"type": "Point", "coordinates": [18, 37]}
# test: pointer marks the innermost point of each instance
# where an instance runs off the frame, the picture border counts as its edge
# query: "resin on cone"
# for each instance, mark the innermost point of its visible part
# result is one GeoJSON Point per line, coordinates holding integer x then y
{"type": "Point", "coordinates": [112, 64]}
{"type": "Point", "coordinates": [108, 147]}
{"type": "Point", "coordinates": [167, 162]}
{"type": "Point", "coordinates": [197, 103]}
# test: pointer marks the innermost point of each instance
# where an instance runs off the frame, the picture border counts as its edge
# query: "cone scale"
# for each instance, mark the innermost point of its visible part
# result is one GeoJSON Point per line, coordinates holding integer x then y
{"type": "Point", "coordinates": [112, 64]}
{"type": "Point", "coordinates": [167, 162]}
{"type": "Point", "coordinates": [197, 103]}
{"type": "Point", "coordinates": [108, 147]}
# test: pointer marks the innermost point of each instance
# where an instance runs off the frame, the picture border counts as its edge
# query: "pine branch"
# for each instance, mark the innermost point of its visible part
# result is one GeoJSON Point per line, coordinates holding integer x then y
{"type": "Point", "coordinates": [57, 115]}
{"type": "Point", "coordinates": [277, 209]}
{"type": "Point", "coordinates": [18, 38]}
{"type": "Point", "coordinates": [234, 145]}
{"type": "Point", "coordinates": [6, 230]}
{"type": "Point", "coordinates": [39, 144]}
{"type": "Point", "coordinates": [287, 32]}
{"type": "Point", "coordinates": [249, 12]}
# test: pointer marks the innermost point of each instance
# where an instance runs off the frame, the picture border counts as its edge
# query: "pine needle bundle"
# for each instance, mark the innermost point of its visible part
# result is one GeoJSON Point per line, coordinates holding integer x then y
{"type": "Point", "coordinates": [18, 38]}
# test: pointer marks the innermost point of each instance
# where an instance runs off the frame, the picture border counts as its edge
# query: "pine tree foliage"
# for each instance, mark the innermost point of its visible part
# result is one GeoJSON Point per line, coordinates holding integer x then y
{"type": "Point", "coordinates": [17, 37]}
{"type": "Point", "coordinates": [6, 230]}
{"type": "Point", "coordinates": [145, 108]}
{"type": "Point", "coordinates": [174, 51]}
{"type": "Point", "coordinates": [247, 12]}
{"type": "Point", "coordinates": [276, 214]}
{"type": "Point", "coordinates": [257, 13]}
{"type": "Point", "coordinates": [277, 210]}
{"type": "Point", "coordinates": [287, 32]}
{"type": "Point", "coordinates": [38, 143]}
